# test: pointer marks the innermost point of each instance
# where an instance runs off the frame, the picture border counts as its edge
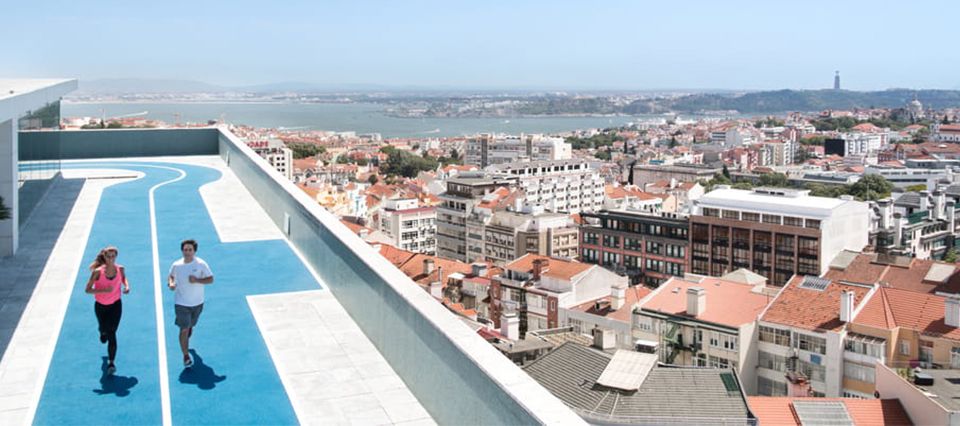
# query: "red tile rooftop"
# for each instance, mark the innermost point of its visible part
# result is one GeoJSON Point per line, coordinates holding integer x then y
{"type": "Point", "coordinates": [633, 295]}
{"type": "Point", "coordinates": [729, 303]}
{"type": "Point", "coordinates": [922, 312]}
{"type": "Point", "coordinates": [779, 410]}
{"type": "Point", "coordinates": [812, 309]}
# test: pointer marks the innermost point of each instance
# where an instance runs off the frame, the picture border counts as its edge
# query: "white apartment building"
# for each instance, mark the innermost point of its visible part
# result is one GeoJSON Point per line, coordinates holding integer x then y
{"type": "Point", "coordinates": [569, 186]}
{"type": "Point", "coordinates": [946, 133]}
{"type": "Point", "coordinates": [803, 331]}
{"type": "Point", "coordinates": [276, 153]}
{"type": "Point", "coordinates": [705, 322]}
{"type": "Point", "coordinates": [462, 195]}
{"type": "Point", "coordinates": [866, 144]}
{"type": "Point", "coordinates": [409, 226]}
{"type": "Point", "coordinates": [488, 149]}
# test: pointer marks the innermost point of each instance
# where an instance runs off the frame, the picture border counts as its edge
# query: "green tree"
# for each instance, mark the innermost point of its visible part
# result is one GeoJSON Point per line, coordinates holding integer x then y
{"type": "Point", "coordinates": [950, 256]}
{"type": "Point", "coordinates": [115, 125]}
{"type": "Point", "coordinates": [4, 210]}
{"type": "Point", "coordinates": [742, 185]}
{"type": "Point", "coordinates": [871, 188]}
{"type": "Point", "coordinates": [406, 164]}
{"type": "Point", "coordinates": [778, 180]}
{"type": "Point", "coordinates": [602, 155]}
{"type": "Point", "coordinates": [916, 188]}
{"type": "Point", "coordinates": [725, 172]}
{"type": "Point", "coordinates": [305, 150]}
{"type": "Point", "coordinates": [372, 179]}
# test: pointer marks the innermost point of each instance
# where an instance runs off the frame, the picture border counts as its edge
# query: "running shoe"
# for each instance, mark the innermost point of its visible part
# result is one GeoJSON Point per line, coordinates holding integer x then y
{"type": "Point", "coordinates": [111, 369]}
{"type": "Point", "coordinates": [187, 362]}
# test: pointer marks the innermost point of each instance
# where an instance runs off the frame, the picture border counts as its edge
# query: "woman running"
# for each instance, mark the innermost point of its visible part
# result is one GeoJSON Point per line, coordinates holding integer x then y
{"type": "Point", "coordinates": [105, 285]}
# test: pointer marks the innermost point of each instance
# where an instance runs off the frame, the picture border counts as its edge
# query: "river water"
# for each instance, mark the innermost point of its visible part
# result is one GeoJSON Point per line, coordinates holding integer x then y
{"type": "Point", "coordinates": [357, 117]}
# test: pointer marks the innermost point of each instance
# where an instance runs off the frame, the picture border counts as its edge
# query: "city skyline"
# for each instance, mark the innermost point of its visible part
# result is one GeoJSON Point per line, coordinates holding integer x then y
{"type": "Point", "coordinates": [497, 46]}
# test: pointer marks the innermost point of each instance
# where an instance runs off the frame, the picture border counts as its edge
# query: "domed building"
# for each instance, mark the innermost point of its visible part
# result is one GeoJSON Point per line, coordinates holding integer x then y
{"type": "Point", "coordinates": [915, 109]}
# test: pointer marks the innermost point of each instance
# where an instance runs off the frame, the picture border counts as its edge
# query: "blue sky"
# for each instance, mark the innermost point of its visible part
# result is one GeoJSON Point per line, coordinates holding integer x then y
{"type": "Point", "coordinates": [491, 44]}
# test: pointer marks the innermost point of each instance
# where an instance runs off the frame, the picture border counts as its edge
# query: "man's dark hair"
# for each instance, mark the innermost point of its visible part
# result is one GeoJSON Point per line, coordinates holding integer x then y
{"type": "Point", "coordinates": [191, 242]}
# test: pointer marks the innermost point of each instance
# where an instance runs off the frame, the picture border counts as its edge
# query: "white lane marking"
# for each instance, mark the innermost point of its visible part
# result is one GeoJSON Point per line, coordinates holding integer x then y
{"type": "Point", "coordinates": [158, 286]}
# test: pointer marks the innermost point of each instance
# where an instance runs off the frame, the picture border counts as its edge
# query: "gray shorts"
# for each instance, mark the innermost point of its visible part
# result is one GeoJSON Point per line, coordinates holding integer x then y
{"type": "Point", "coordinates": [187, 316]}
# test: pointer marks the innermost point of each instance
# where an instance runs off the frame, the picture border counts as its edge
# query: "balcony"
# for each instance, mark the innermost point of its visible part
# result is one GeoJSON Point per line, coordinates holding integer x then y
{"type": "Point", "coordinates": [264, 354]}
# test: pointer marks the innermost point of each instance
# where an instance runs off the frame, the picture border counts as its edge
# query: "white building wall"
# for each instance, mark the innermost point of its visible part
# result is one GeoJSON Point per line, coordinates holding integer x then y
{"type": "Point", "coordinates": [921, 409]}
{"type": "Point", "coordinates": [846, 229]}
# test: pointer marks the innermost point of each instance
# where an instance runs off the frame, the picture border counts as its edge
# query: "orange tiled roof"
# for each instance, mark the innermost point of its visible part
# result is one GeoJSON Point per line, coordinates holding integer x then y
{"type": "Point", "coordinates": [395, 255]}
{"type": "Point", "coordinates": [922, 312]}
{"type": "Point", "coordinates": [779, 410]}
{"type": "Point", "coordinates": [624, 314]}
{"type": "Point", "coordinates": [413, 268]}
{"type": "Point", "coordinates": [557, 268]}
{"type": "Point", "coordinates": [864, 269]}
{"type": "Point", "coordinates": [728, 302]}
{"type": "Point", "coordinates": [811, 309]}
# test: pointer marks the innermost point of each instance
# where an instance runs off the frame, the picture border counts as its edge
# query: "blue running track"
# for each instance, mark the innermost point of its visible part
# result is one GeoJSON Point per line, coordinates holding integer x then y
{"type": "Point", "coordinates": [234, 380]}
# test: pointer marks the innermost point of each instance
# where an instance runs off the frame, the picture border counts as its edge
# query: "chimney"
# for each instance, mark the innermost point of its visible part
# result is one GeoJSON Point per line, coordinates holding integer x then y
{"type": "Point", "coordinates": [604, 339]}
{"type": "Point", "coordinates": [478, 269]}
{"type": "Point", "coordinates": [952, 314]}
{"type": "Point", "coordinates": [427, 266]}
{"type": "Point", "coordinates": [938, 203]}
{"type": "Point", "coordinates": [436, 289]}
{"type": "Point", "coordinates": [510, 325]}
{"type": "Point", "coordinates": [696, 301]}
{"type": "Point", "coordinates": [886, 213]}
{"type": "Point", "coordinates": [539, 267]}
{"type": "Point", "coordinates": [924, 200]}
{"type": "Point", "coordinates": [897, 229]}
{"type": "Point", "coordinates": [951, 214]}
{"type": "Point", "coordinates": [618, 296]}
{"type": "Point", "coordinates": [846, 306]}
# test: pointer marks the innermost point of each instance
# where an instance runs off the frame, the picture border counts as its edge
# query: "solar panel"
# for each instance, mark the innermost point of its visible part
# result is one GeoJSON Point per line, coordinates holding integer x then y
{"type": "Point", "coordinates": [627, 370]}
{"type": "Point", "coordinates": [822, 413]}
{"type": "Point", "coordinates": [814, 283]}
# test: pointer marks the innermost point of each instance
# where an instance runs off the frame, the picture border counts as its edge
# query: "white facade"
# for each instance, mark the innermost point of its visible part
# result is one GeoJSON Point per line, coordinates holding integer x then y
{"type": "Point", "coordinates": [277, 154]}
{"type": "Point", "coordinates": [821, 361]}
{"type": "Point", "coordinates": [409, 226]}
{"type": "Point", "coordinates": [487, 149]}
{"type": "Point", "coordinates": [902, 177]}
{"type": "Point", "coordinates": [569, 186]}
{"type": "Point", "coordinates": [865, 144]}
{"type": "Point", "coordinates": [946, 133]}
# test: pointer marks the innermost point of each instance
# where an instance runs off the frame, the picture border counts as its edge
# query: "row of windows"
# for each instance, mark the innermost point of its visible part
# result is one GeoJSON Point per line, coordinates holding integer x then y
{"type": "Point", "coordinates": [764, 218]}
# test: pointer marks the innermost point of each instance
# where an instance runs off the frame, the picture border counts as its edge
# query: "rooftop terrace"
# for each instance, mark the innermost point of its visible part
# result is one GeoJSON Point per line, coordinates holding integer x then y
{"type": "Point", "coordinates": [305, 324]}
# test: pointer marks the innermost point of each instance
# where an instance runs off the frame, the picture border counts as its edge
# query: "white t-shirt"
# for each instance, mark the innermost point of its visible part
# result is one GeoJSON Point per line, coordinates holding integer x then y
{"type": "Point", "coordinates": [187, 293]}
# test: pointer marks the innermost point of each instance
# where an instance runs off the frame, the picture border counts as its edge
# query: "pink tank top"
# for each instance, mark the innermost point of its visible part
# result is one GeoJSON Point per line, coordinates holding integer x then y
{"type": "Point", "coordinates": [103, 282]}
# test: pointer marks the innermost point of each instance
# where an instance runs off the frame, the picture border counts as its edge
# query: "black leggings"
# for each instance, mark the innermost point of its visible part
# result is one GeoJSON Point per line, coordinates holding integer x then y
{"type": "Point", "coordinates": [108, 317]}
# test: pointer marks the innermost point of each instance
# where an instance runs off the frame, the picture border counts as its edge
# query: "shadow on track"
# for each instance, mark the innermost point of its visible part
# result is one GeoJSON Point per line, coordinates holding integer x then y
{"type": "Point", "coordinates": [200, 374]}
{"type": "Point", "coordinates": [114, 384]}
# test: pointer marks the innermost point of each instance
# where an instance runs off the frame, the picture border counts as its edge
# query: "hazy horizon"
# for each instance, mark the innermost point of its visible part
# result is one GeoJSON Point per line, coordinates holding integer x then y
{"type": "Point", "coordinates": [532, 46]}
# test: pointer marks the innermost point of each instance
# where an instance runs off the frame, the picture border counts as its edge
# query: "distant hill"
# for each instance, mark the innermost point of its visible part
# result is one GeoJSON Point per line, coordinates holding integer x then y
{"type": "Point", "coordinates": [797, 100]}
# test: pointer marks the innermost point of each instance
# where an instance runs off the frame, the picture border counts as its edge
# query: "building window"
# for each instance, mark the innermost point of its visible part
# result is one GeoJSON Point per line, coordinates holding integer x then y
{"type": "Point", "coordinates": [859, 372]}
{"type": "Point", "coordinates": [711, 212]}
{"type": "Point", "coordinates": [654, 247]}
{"type": "Point", "coordinates": [812, 223]}
{"type": "Point", "coordinates": [675, 269]}
{"type": "Point", "coordinates": [771, 218]}
{"type": "Point", "coordinates": [611, 241]}
{"type": "Point", "coordinates": [768, 387]}
{"type": "Point", "coordinates": [645, 324]}
{"type": "Point", "coordinates": [875, 350]}
{"type": "Point", "coordinates": [700, 360]}
{"type": "Point", "coordinates": [775, 336]}
{"type": "Point", "coordinates": [717, 362]}
{"type": "Point", "coordinates": [590, 238]}
{"type": "Point", "coordinates": [731, 214]}
{"type": "Point", "coordinates": [816, 373]}
{"type": "Point", "coordinates": [905, 347]}
{"type": "Point", "coordinates": [631, 262]}
{"type": "Point", "coordinates": [772, 361]}
{"type": "Point", "coordinates": [632, 244]}
{"type": "Point", "coordinates": [793, 221]}
{"type": "Point", "coordinates": [926, 351]}
{"type": "Point", "coordinates": [588, 255]}
{"type": "Point", "coordinates": [750, 217]}
{"type": "Point", "coordinates": [812, 343]}
{"type": "Point", "coordinates": [610, 259]}
{"type": "Point", "coordinates": [676, 251]}
{"type": "Point", "coordinates": [955, 357]}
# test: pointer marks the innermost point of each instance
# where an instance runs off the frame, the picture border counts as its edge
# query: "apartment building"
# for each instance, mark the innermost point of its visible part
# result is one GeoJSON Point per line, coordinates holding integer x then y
{"type": "Point", "coordinates": [902, 177]}
{"type": "Point", "coordinates": [510, 234]}
{"type": "Point", "coordinates": [706, 321]}
{"type": "Point", "coordinates": [276, 153]}
{"type": "Point", "coordinates": [568, 186]}
{"type": "Point", "coordinates": [775, 232]}
{"type": "Point", "coordinates": [536, 287]}
{"type": "Point", "coordinates": [946, 132]}
{"type": "Point", "coordinates": [457, 203]}
{"type": "Point", "coordinates": [648, 248]}
{"type": "Point", "coordinates": [632, 198]}
{"type": "Point", "coordinates": [410, 226]}
{"type": "Point", "coordinates": [488, 149]}
{"type": "Point", "coordinates": [918, 224]}
{"type": "Point", "coordinates": [803, 333]}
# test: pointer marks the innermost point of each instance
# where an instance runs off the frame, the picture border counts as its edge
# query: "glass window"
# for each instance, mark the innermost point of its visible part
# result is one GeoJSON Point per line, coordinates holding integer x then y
{"type": "Point", "coordinates": [775, 336]}
{"type": "Point", "coordinates": [731, 214]}
{"type": "Point", "coordinates": [768, 387]}
{"type": "Point", "coordinates": [750, 217]}
{"type": "Point", "coordinates": [811, 343]}
{"type": "Point", "coordinates": [711, 212]}
{"type": "Point", "coordinates": [859, 372]}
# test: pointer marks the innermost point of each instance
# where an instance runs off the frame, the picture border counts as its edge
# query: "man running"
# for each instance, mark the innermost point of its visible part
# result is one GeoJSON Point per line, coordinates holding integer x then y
{"type": "Point", "coordinates": [187, 277]}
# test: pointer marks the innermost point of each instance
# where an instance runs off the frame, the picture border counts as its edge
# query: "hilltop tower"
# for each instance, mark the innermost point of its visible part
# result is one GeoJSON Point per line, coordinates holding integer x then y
{"type": "Point", "coordinates": [836, 80]}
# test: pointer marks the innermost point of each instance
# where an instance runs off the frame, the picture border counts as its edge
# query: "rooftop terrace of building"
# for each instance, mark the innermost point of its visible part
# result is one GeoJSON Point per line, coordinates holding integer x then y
{"type": "Point", "coordinates": [318, 340]}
